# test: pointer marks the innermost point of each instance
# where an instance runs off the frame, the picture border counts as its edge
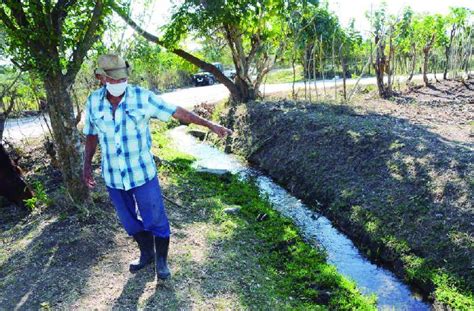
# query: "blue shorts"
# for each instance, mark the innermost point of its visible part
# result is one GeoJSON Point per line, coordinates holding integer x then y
{"type": "Point", "coordinates": [141, 209]}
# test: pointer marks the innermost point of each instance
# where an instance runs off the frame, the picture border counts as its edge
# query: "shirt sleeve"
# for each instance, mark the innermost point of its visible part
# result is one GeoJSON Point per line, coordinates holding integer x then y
{"type": "Point", "coordinates": [159, 108]}
{"type": "Point", "coordinates": [89, 127]}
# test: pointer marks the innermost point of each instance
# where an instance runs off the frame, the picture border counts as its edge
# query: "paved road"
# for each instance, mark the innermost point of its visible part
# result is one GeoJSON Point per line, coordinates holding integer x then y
{"type": "Point", "coordinates": [17, 129]}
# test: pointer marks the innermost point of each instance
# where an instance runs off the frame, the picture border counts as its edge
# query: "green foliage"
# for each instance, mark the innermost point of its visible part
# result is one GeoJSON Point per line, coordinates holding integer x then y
{"type": "Point", "coordinates": [254, 31]}
{"type": "Point", "coordinates": [317, 36]}
{"type": "Point", "coordinates": [263, 17]}
{"type": "Point", "coordinates": [39, 198]}
{"type": "Point", "coordinates": [159, 68]}
{"type": "Point", "coordinates": [66, 32]}
{"type": "Point", "coordinates": [25, 93]}
{"type": "Point", "coordinates": [447, 288]}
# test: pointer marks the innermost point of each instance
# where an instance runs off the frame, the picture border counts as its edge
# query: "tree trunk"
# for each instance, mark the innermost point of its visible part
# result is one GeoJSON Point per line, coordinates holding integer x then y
{"type": "Point", "coordinates": [247, 91]}
{"type": "Point", "coordinates": [390, 66]}
{"type": "Point", "coordinates": [448, 51]}
{"type": "Point", "coordinates": [413, 65]}
{"type": "Point", "coordinates": [66, 135]}
{"type": "Point", "coordinates": [426, 52]}
{"type": "Point", "coordinates": [344, 72]}
{"type": "Point", "coordinates": [425, 67]}
{"type": "Point", "coordinates": [307, 65]}
{"type": "Point", "coordinates": [4, 115]}
{"type": "Point", "coordinates": [379, 65]}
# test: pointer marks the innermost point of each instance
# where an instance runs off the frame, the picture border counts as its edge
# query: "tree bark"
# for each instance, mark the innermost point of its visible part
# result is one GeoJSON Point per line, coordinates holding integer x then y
{"type": "Point", "coordinates": [390, 66]}
{"type": "Point", "coordinates": [448, 51]}
{"type": "Point", "coordinates": [426, 52]}
{"type": "Point", "coordinates": [379, 65]}
{"type": "Point", "coordinates": [344, 72]}
{"type": "Point", "coordinates": [66, 135]}
{"type": "Point", "coordinates": [413, 65]}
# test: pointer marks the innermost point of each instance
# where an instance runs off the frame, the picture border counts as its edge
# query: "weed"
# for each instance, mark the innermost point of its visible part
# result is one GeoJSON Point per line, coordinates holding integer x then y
{"type": "Point", "coordinates": [39, 198]}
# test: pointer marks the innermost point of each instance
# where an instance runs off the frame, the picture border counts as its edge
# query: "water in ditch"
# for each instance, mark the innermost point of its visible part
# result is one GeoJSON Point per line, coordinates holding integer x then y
{"type": "Point", "coordinates": [392, 294]}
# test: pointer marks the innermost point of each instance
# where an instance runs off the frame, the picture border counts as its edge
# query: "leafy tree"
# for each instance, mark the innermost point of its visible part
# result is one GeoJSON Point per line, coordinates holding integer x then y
{"type": "Point", "coordinates": [314, 30]}
{"type": "Point", "coordinates": [157, 67]}
{"type": "Point", "coordinates": [456, 21]}
{"type": "Point", "coordinates": [350, 41]}
{"type": "Point", "coordinates": [429, 30]}
{"type": "Point", "coordinates": [380, 28]}
{"type": "Point", "coordinates": [51, 39]}
{"type": "Point", "coordinates": [254, 30]}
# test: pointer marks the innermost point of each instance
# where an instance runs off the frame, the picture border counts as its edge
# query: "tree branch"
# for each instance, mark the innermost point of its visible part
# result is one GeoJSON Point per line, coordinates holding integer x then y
{"type": "Point", "coordinates": [8, 88]}
{"type": "Point", "coordinates": [87, 41]}
{"type": "Point", "coordinates": [7, 21]}
{"type": "Point", "coordinates": [187, 56]}
{"type": "Point", "coordinates": [18, 13]}
{"type": "Point", "coordinates": [59, 13]}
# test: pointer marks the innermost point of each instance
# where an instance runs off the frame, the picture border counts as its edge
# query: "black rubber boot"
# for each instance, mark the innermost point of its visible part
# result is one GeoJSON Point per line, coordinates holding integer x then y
{"type": "Point", "coordinates": [145, 243]}
{"type": "Point", "coordinates": [161, 255]}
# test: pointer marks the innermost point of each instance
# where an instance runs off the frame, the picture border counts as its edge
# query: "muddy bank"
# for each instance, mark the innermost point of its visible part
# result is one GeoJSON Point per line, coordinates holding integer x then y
{"type": "Point", "coordinates": [402, 193]}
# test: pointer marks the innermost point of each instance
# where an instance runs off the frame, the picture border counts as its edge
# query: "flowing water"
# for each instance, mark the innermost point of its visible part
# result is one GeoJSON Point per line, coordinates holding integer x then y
{"type": "Point", "coordinates": [392, 294]}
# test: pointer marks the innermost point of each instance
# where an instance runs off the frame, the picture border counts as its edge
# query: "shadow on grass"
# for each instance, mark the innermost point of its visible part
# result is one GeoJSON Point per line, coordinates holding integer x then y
{"type": "Point", "coordinates": [132, 290]}
{"type": "Point", "coordinates": [49, 256]}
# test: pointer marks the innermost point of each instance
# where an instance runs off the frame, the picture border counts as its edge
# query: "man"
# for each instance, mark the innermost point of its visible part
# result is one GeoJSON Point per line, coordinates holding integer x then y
{"type": "Point", "coordinates": [117, 116]}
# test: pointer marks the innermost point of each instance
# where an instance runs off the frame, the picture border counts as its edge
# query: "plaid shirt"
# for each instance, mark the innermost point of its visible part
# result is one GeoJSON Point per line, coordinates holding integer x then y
{"type": "Point", "coordinates": [125, 141]}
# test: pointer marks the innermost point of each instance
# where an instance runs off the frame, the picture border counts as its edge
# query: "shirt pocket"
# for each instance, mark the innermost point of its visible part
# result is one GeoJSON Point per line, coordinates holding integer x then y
{"type": "Point", "coordinates": [100, 122]}
{"type": "Point", "coordinates": [137, 119]}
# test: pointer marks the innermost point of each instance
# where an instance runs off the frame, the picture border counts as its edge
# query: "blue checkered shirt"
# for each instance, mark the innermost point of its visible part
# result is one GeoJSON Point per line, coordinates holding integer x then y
{"type": "Point", "coordinates": [125, 140]}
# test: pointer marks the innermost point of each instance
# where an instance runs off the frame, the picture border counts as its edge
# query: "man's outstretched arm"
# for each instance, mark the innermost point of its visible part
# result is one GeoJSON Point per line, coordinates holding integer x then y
{"type": "Point", "coordinates": [90, 148]}
{"type": "Point", "coordinates": [186, 116]}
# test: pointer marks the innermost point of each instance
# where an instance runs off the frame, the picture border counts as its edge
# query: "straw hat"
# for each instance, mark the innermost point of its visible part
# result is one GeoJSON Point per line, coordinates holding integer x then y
{"type": "Point", "coordinates": [112, 66]}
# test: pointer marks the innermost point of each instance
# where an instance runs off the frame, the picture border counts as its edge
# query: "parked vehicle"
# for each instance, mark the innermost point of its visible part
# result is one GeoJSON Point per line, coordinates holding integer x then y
{"type": "Point", "coordinates": [206, 78]}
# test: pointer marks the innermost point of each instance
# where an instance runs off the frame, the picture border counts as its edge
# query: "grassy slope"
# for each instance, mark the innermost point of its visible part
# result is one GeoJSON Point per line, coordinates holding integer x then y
{"type": "Point", "coordinates": [399, 191]}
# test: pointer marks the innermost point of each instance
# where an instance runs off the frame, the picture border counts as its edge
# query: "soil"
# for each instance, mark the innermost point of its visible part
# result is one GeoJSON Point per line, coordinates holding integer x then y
{"type": "Point", "coordinates": [445, 108]}
{"type": "Point", "coordinates": [58, 258]}
{"type": "Point", "coordinates": [395, 175]}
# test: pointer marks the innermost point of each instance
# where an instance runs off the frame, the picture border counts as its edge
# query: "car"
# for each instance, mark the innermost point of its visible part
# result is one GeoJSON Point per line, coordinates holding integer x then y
{"type": "Point", "coordinates": [206, 78]}
{"type": "Point", "coordinates": [230, 73]}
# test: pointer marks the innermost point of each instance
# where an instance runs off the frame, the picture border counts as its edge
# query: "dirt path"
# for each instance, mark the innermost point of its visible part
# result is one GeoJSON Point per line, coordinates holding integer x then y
{"type": "Point", "coordinates": [205, 276]}
{"type": "Point", "coordinates": [59, 259]}
{"type": "Point", "coordinates": [86, 267]}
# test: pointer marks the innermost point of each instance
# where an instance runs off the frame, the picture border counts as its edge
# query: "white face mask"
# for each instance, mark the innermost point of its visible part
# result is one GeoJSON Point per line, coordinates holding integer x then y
{"type": "Point", "coordinates": [116, 89]}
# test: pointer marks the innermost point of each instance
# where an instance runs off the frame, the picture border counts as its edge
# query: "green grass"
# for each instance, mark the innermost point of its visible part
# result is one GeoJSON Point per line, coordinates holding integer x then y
{"type": "Point", "coordinates": [448, 289]}
{"type": "Point", "coordinates": [300, 271]}
{"type": "Point", "coordinates": [284, 75]}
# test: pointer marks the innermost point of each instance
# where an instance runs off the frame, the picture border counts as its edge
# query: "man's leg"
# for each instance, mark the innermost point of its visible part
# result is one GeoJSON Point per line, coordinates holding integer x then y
{"type": "Point", "coordinates": [125, 207]}
{"type": "Point", "coordinates": [152, 210]}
